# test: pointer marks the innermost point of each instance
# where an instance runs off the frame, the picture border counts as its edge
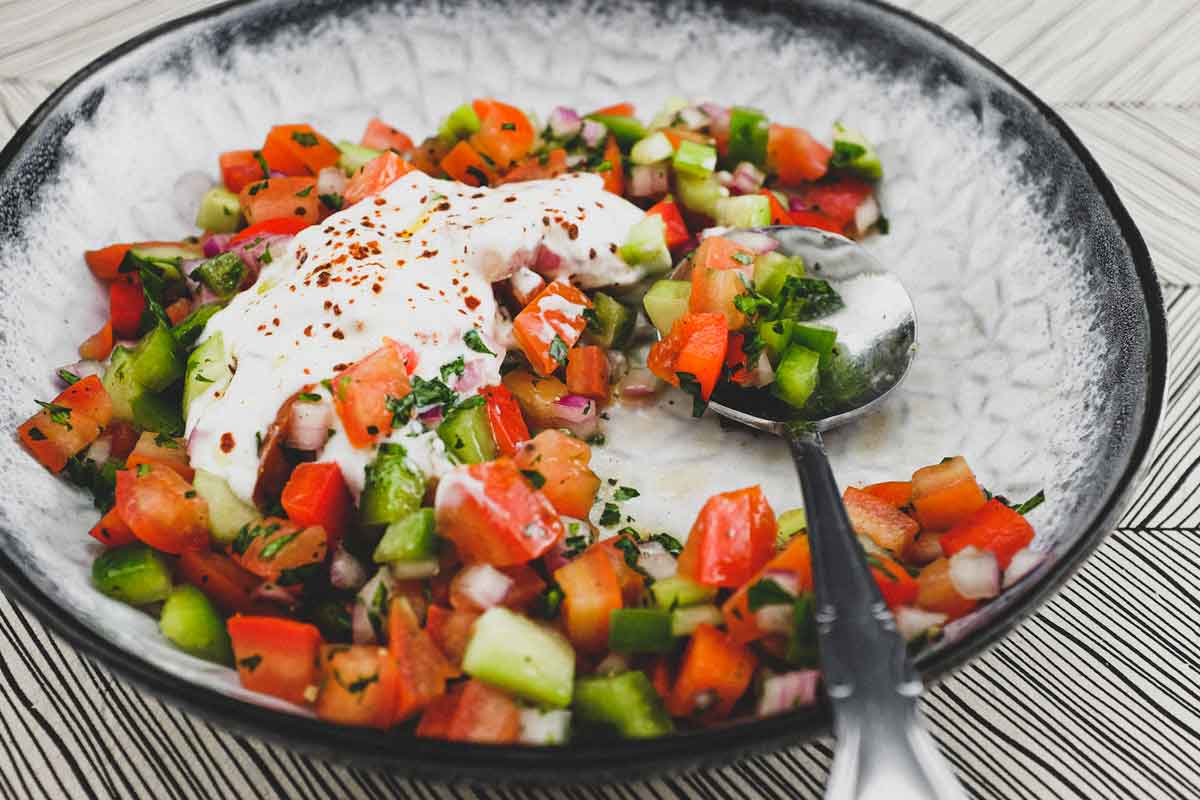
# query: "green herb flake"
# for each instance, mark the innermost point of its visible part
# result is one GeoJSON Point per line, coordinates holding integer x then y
{"type": "Point", "coordinates": [262, 163]}
{"type": "Point", "coordinates": [165, 441]}
{"type": "Point", "coordinates": [36, 435]}
{"type": "Point", "coordinates": [596, 439]}
{"type": "Point", "coordinates": [508, 126]}
{"type": "Point", "coordinates": [534, 477]}
{"type": "Point", "coordinates": [1031, 503]}
{"type": "Point", "coordinates": [308, 397]}
{"type": "Point", "coordinates": [611, 515]}
{"type": "Point", "coordinates": [669, 543]}
{"type": "Point", "coordinates": [474, 341]}
{"type": "Point", "coordinates": [306, 191]}
{"type": "Point", "coordinates": [624, 493]}
{"type": "Point", "coordinates": [593, 320]}
{"type": "Point", "coordinates": [250, 663]}
{"type": "Point", "coordinates": [143, 470]}
{"type": "Point", "coordinates": [305, 139]}
{"type": "Point", "coordinates": [479, 175]}
{"type": "Point", "coordinates": [767, 592]}
{"type": "Point", "coordinates": [745, 259]}
{"type": "Point", "coordinates": [452, 368]}
{"type": "Point", "coordinates": [273, 547]}
{"type": "Point", "coordinates": [59, 415]}
{"type": "Point", "coordinates": [332, 201]}
{"type": "Point", "coordinates": [689, 384]}
{"type": "Point", "coordinates": [559, 349]}
{"type": "Point", "coordinates": [68, 377]}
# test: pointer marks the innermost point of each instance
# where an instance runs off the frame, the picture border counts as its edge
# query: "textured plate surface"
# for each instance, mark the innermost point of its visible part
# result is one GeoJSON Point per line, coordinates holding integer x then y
{"type": "Point", "coordinates": [1041, 343]}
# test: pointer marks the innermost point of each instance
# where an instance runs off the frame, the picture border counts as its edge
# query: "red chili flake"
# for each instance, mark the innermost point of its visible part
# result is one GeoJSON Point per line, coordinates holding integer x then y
{"type": "Point", "coordinates": [308, 330]}
{"type": "Point", "coordinates": [339, 367]}
{"type": "Point", "coordinates": [510, 199]}
{"type": "Point", "coordinates": [424, 286]}
{"type": "Point", "coordinates": [546, 221]}
{"type": "Point", "coordinates": [328, 305]}
{"type": "Point", "coordinates": [428, 254]}
{"type": "Point", "coordinates": [227, 442]}
{"type": "Point", "coordinates": [338, 334]}
{"type": "Point", "coordinates": [573, 231]}
{"type": "Point", "coordinates": [592, 252]}
{"type": "Point", "coordinates": [337, 310]}
{"type": "Point", "coordinates": [379, 201]}
{"type": "Point", "coordinates": [613, 247]}
{"type": "Point", "coordinates": [472, 302]}
{"type": "Point", "coordinates": [376, 288]}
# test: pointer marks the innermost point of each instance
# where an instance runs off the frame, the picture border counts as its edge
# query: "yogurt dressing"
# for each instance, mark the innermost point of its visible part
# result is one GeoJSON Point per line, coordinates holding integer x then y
{"type": "Point", "coordinates": [415, 263]}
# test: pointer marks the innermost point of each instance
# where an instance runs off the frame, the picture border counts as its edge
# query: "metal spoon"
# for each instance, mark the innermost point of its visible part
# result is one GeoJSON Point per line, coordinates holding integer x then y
{"type": "Point", "coordinates": [883, 750]}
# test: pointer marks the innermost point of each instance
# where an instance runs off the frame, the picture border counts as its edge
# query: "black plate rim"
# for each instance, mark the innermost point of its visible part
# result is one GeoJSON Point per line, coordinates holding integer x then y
{"type": "Point", "coordinates": [601, 761]}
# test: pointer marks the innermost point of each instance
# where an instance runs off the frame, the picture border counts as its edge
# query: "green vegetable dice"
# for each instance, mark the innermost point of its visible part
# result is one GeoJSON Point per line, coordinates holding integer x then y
{"type": "Point", "coordinates": [191, 622]}
{"type": "Point", "coordinates": [393, 488]}
{"type": "Point", "coordinates": [134, 574]}
{"type": "Point", "coordinates": [627, 703]}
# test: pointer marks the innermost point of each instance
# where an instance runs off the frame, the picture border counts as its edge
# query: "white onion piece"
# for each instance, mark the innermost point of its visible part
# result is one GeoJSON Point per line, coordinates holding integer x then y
{"type": "Point", "coordinates": [414, 570]}
{"type": "Point", "coordinates": [101, 449]}
{"type": "Point", "coordinates": [308, 425]}
{"type": "Point", "coordinates": [1024, 561]}
{"type": "Point", "coordinates": [724, 177]}
{"type": "Point", "coordinates": [758, 242]}
{"type": "Point", "coordinates": [618, 365]}
{"type": "Point", "coordinates": [654, 559]}
{"type": "Point", "coordinates": [346, 571]}
{"type": "Point", "coordinates": [613, 664]}
{"type": "Point", "coordinates": [360, 620]}
{"type": "Point", "coordinates": [747, 178]}
{"type": "Point", "coordinates": [564, 122]}
{"type": "Point", "coordinates": [867, 214]}
{"type": "Point", "coordinates": [639, 382]}
{"type": "Point", "coordinates": [775, 618]}
{"type": "Point", "coordinates": [788, 691]}
{"type": "Point", "coordinates": [593, 132]}
{"type": "Point", "coordinates": [784, 579]}
{"type": "Point", "coordinates": [577, 414]}
{"type": "Point", "coordinates": [331, 180]}
{"type": "Point", "coordinates": [649, 180]}
{"type": "Point", "coordinates": [912, 622]}
{"type": "Point", "coordinates": [575, 159]}
{"type": "Point", "coordinates": [762, 374]}
{"type": "Point", "coordinates": [975, 573]}
{"type": "Point", "coordinates": [539, 727]}
{"type": "Point", "coordinates": [693, 118]}
{"type": "Point", "coordinates": [483, 585]}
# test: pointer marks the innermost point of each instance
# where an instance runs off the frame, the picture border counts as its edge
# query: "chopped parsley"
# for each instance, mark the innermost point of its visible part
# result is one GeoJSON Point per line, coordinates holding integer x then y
{"type": "Point", "coordinates": [611, 515]}
{"type": "Point", "coordinates": [143, 470]}
{"type": "Point", "coordinates": [743, 258]}
{"type": "Point", "coordinates": [99, 479]}
{"type": "Point", "coordinates": [295, 576]}
{"type": "Point", "coordinates": [508, 126]}
{"type": "Point", "coordinates": [603, 166]}
{"type": "Point", "coordinates": [68, 377]}
{"type": "Point", "coordinates": [250, 663]}
{"type": "Point", "coordinates": [478, 174]}
{"type": "Point", "coordinates": [548, 602]}
{"type": "Point", "coordinates": [273, 547]}
{"type": "Point", "coordinates": [669, 543]}
{"type": "Point", "coordinates": [59, 415]}
{"type": "Point", "coordinates": [262, 163]}
{"type": "Point", "coordinates": [689, 384]}
{"type": "Point", "coordinates": [1031, 503]}
{"type": "Point", "coordinates": [767, 592]}
{"type": "Point", "coordinates": [306, 191]}
{"type": "Point", "coordinates": [308, 397]}
{"type": "Point", "coordinates": [593, 320]}
{"type": "Point", "coordinates": [534, 477]}
{"type": "Point", "coordinates": [332, 200]}
{"type": "Point", "coordinates": [845, 153]}
{"type": "Point", "coordinates": [452, 368]}
{"type": "Point", "coordinates": [624, 493]}
{"type": "Point", "coordinates": [558, 350]}
{"type": "Point", "coordinates": [305, 139]}
{"type": "Point", "coordinates": [576, 544]}
{"type": "Point", "coordinates": [596, 439]}
{"type": "Point", "coordinates": [168, 442]}
{"type": "Point", "coordinates": [474, 341]}
{"type": "Point", "coordinates": [255, 188]}
{"type": "Point", "coordinates": [36, 435]}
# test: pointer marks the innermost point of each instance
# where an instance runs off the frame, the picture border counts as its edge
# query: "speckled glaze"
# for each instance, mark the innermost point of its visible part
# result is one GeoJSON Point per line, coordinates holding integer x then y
{"type": "Point", "coordinates": [1042, 341]}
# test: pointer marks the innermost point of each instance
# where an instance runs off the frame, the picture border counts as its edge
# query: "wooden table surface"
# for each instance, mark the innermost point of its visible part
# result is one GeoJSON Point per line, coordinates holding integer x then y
{"type": "Point", "coordinates": [1094, 696]}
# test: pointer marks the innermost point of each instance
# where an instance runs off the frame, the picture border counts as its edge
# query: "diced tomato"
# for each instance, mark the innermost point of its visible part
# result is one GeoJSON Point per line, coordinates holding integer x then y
{"type": "Point", "coordinates": [925, 547]}
{"type": "Point", "coordinates": [111, 530]}
{"type": "Point", "coordinates": [676, 229]}
{"type": "Point", "coordinates": [537, 168]}
{"type": "Point", "coordinates": [633, 585]}
{"type": "Point", "coordinates": [361, 393]}
{"type": "Point", "coordinates": [275, 656]}
{"type": "Point", "coordinates": [936, 592]}
{"type": "Point", "coordinates": [229, 586]}
{"type": "Point", "coordinates": [165, 451]}
{"type": "Point", "coordinates": [451, 630]}
{"type": "Point", "coordinates": [89, 397]}
{"type": "Point", "coordinates": [733, 536]}
{"type": "Point", "coordinates": [472, 712]}
{"type": "Point", "coordinates": [54, 435]}
{"type": "Point", "coordinates": [896, 494]}
{"type": "Point", "coordinates": [591, 592]}
{"type": "Point", "coordinates": [814, 219]}
{"type": "Point", "coordinates": [837, 199]}
{"type": "Point", "coordinates": [298, 150]}
{"type": "Point", "coordinates": [537, 396]}
{"type": "Point", "coordinates": [105, 263]}
{"type": "Point", "coordinates": [280, 551]}
{"type": "Point", "coordinates": [526, 586]}
{"type": "Point", "coordinates": [739, 619]}
{"type": "Point", "coordinates": [895, 584]}
{"type": "Point", "coordinates": [735, 359]}
{"type": "Point", "coordinates": [504, 418]}
{"type": "Point", "coordinates": [719, 253]}
{"type": "Point", "coordinates": [126, 304]}
{"type": "Point", "coordinates": [555, 314]}
{"type": "Point", "coordinates": [995, 527]}
{"type": "Point", "coordinates": [715, 291]}
{"type": "Point", "coordinates": [178, 310]}
{"type": "Point", "coordinates": [616, 110]}
{"type": "Point", "coordinates": [587, 372]}
{"type": "Point", "coordinates": [562, 462]}
{"type": "Point", "coordinates": [122, 438]}
{"type": "Point", "coordinates": [795, 156]}
{"type": "Point", "coordinates": [614, 176]}
{"type": "Point", "coordinates": [99, 345]}
{"type": "Point", "coordinates": [375, 176]}
{"type": "Point", "coordinates": [505, 133]}
{"type": "Point", "coordinates": [879, 520]}
{"type": "Point", "coordinates": [779, 214]}
{"type": "Point", "coordinates": [713, 675]}
{"type": "Point", "coordinates": [162, 509]}
{"type": "Point", "coordinates": [945, 494]}
{"type": "Point", "coordinates": [695, 346]}
{"type": "Point", "coordinates": [241, 167]}
{"type": "Point", "coordinates": [421, 667]}
{"type": "Point", "coordinates": [278, 226]}
{"type": "Point", "coordinates": [358, 685]}
{"type": "Point", "coordinates": [494, 516]}
{"type": "Point", "coordinates": [381, 136]}
{"type": "Point", "coordinates": [464, 164]}
{"type": "Point", "coordinates": [662, 676]}
{"type": "Point", "coordinates": [316, 494]}
{"type": "Point", "coordinates": [279, 198]}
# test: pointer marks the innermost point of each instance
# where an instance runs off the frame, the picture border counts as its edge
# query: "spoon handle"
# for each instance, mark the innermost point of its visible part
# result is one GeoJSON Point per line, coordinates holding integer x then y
{"type": "Point", "coordinates": [883, 751]}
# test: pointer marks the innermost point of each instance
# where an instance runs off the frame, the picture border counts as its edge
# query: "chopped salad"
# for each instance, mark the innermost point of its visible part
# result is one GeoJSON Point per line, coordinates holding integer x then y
{"type": "Point", "coordinates": [341, 441]}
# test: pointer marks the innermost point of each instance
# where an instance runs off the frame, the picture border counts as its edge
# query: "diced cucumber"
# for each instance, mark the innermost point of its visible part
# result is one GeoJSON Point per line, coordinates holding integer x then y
{"type": "Point", "coordinates": [119, 383]}
{"type": "Point", "coordinates": [468, 435]}
{"type": "Point", "coordinates": [393, 488]}
{"type": "Point", "coordinates": [223, 274]}
{"type": "Point", "coordinates": [414, 570]}
{"type": "Point", "coordinates": [226, 511]}
{"type": "Point", "coordinates": [133, 574]}
{"type": "Point", "coordinates": [206, 370]}
{"type": "Point", "coordinates": [771, 270]}
{"type": "Point", "coordinates": [684, 621]}
{"type": "Point", "coordinates": [514, 653]}
{"type": "Point", "coordinates": [677, 591]}
{"type": "Point", "coordinates": [191, 622]}
{"type": "Point", "coordinates": [796, 376]}
{"type": "Point", "coordinates": [155, 363]}
{"type": "Point", "coordinates": [166, 260]}
{"type": "Point", "coordinates": [409, 539]}
{"type": "Point", "coordinates": [640, 630]}
{"type": "Point", "coordinates": [545, 726]}
{"type": "Point", "coordinates": [613, 324]}
{"type": "Point", "coordinates": [817, 337]}
{"type": "Point", "coordinates": [219, 211]}
{"type": "Point", "coordinates": [791, 522]}
{"type": "Point", "coordinates": [627, 129]}
{"type": "Point", "coordinates": [743, 211]}
{"type": "Point", "coordinates": [852, 152]}
{"type": "Point", "coordinates": [748, 133]}
{"type": "Point", "coordinates": [694, 159]}
{"type": "Point", "coordinates": [158, 412]}
{"type": "Point", "coordinates": [459, 124]}
{"type": "Point", "coordinates": [654, 148]}
{"type": "Point", "coordinates": [775, 337]}
{"type": "Point", "coordinates": [189, 329]}
{"type": "Point", "coordinates": [699, 194]}
{"type": "Point", "coordinates": [665, 302]}
{"type": "Point", "coordinates": [626, 702]}
{"type": "Point", "coordinates": [646, 245]}
{"type": "Point", "coordinates": [355, 156]}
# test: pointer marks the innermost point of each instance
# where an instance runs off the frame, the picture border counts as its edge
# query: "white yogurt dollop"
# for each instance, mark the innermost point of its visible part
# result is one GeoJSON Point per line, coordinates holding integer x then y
{"type": "Point", "coordinates": [415, 264]}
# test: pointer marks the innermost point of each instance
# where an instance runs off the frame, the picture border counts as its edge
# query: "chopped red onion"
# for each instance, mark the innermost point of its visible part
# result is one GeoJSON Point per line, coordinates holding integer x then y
{"type": "Point", "coordinates": [613, 664]}
{"type": "Point", "coordinates": [277, 174]}
{"type": "Point", "coordinates": [758, 242]}
{"type": "Point", "coordinates": [308, 426]}
{"type": "Point", "coordinates": [775, 618]}
{"type": "Point", "coordinates": [483, 585]}
{"type": "Point", "coordinates": [215, 244]}
{"type": "Point", "coordinates": [577, 414]}
{"type": "Point", "coordinates": [83, 369]}
{"type": "Point", "coordinates": [975, 573]}
{"type": "Point", "coordinates": [331, 180]}
{"type": "Point", "coordinates": [649, 180]}
{"type": "Point", "coordinates": [639, 382]}
{"type": "Point", "coordinates": [867, 214]}
{"type": "Point", "coordinates": [593, 132]}
{"type": "Point", "coordinates": [747, 178]}
{"type": "Point", "coordinates": [252, 249]}
{"type": "Point", "coordinates": [693, 118]}
{"type": "Point", "coordinates": [101, 449]}
{"type": "Point", "coordinates": [576, 159]}
{"type": "Point", "coordinates": [725, 178]}
{"type": "Point", "coordinates": [557, 556]}
{"type": "Point", "coordinates": [564, 122]}
{"type": "Point", "coordinates": [1024, 561]}
{"type": "Point", "coordinates": [912, 622]}
{"type": "Point", "coordinates": [655, 561]}
{"type": "Point", "coordinates": [788, 691]}
{"type": "Point", "coordinates": [797, 203]}
{"type": "Point", "coordinates": [346, 571]}
{"type": "Point", "coordinates": [432, 417]}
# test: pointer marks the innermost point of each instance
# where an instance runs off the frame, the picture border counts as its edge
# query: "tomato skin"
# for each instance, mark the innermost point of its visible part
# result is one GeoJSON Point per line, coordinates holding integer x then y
{"type": "Point", "coordinates": [739, 620]}
{"type": "Point", "coordinates": [883, 523]}
{"type": "Point", "coordinates": [505, 133]}
{"type": "Point", "coordinates": [994, 527]}
{"type": "Point", "coordinates": [123, 437]}
{"type": "Point", "coordinates": [277, 547]}
{"type": "Point", "coordinates": [275, 656]}
{"type": "Point", "coordinates": [381, 136]}
{"type": "Point", "coordinates": [239, 168]}
{"type": "Point", "coordinates": [897, 587]}
{"type": "Point", "coordinates": [494, 516]}
{"type": "Point", "coordinates": [720, 270]}
{"type": "Point", "coordinates": [89, 397]}
{"type": "Point", "coordinates": [837, 200]}
{"type": "Point", "coordinates": [51, 442]}
{"type": "Point", "coordinates": [735, 359]}
{"type": "Point", "coordinates": [532, 168]}
{"type": "Point", "coordinates": [614, 176]}
{"type": "Point", "coordinates": [897, 494]}
{"type": "Point", "coordinates": [126, 304]}
{"type": "Point", "coordinates": [361, 392]}
{"type": "Point", "coordinates": [99, 345]}
{"type": "Point", "coordinates": [814, 219]}
{"type": "Point", "coordinates": [732, 538]}
{"type": "Point", "coordinates": [165, 451]}
{"type": "Point", "coordinates": [536, 396]}
{"type": "Point", "coordinates": [591, 592]}
{"type": "Point", "coordinates": [464, 164]}
{"type": "Point", "coordinates": [298, 150]}
{"type": "Point", "coordinates": [945, 494]}
{"type": "Point", "coordinates": [562, 461]}
{"type": "Point", "coordinates": [615, 110]}
{"type": "Point", "coordinates": [505, 419]}
{"type": "Point", "coordinates": [358, 685]}
{"type": "Point", "coordinates": [279, 226]}
{"type": "Point", "coordinates": [712, 665]}
{"type": "Point", "coordinates": [557, 311]}
{"type": "Point", "coordinates": [154, 501]}
{"type": "Point", "coordinates": [375, 176]}
{"type": "Point", "coordinates": [633, 585]}
{"type": "Point", "coordinates": [677, 232]}
{"type": "Point", "coordinates": [587, 372]}
{"type": "Point", "coordinates": [316, 494]}
{"type": "Point", "coordinates": [795, 155]}
{"type": "Point", "coordinates": [280, 198]}
{"type": "Point", "coordinates": [696, 345]}
{"type": "Point", "coordinates": [111, 530]}
{"type": "Point", "coordinates": [450, 630]}
{"type": "Point", "coordinates": [779, 214]}
{"type": "Point", "coordinates": [936, 592]}
{"type": "Point", "coordinates": [472, 712]}
{"type": "Point", "coordinates": [229, 586]}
